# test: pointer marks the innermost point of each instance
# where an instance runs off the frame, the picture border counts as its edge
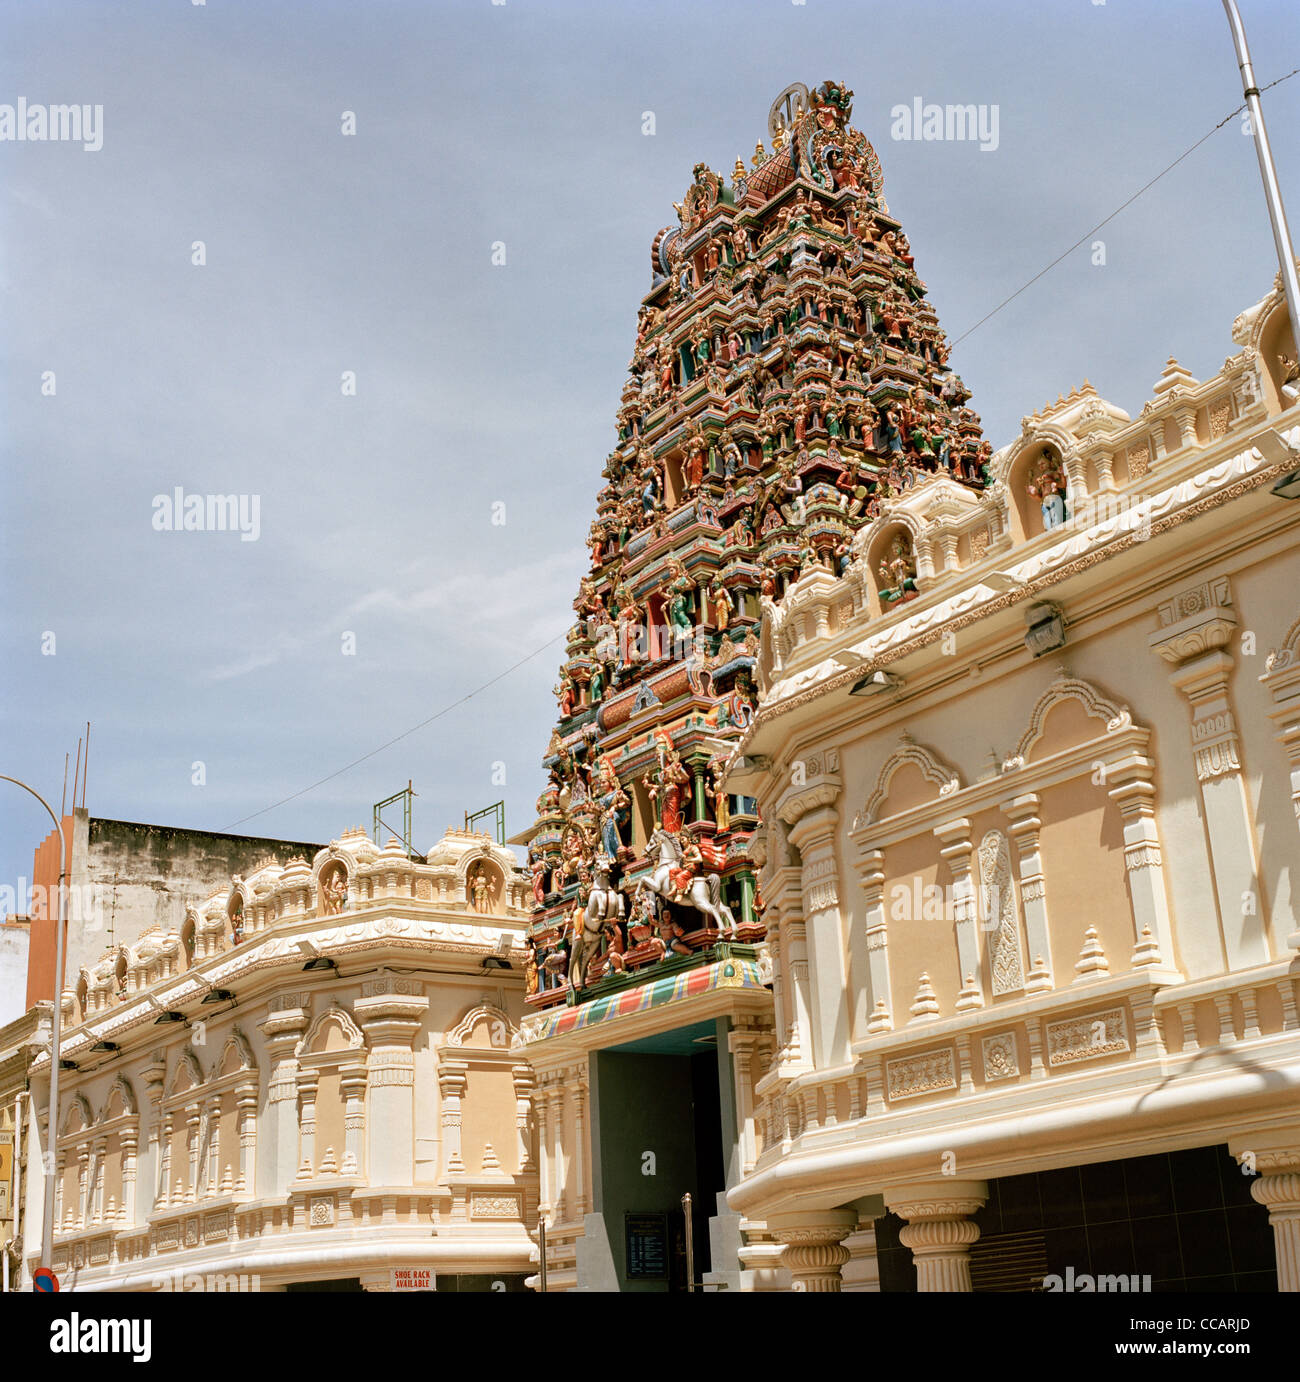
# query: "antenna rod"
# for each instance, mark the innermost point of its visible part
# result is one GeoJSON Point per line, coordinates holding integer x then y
{"type": "Point", "coordinates": [63, 803]}
{"type": "Point", "coordinates": [85, 776]}
{"type": "Point", "coordinates": [76, 776]}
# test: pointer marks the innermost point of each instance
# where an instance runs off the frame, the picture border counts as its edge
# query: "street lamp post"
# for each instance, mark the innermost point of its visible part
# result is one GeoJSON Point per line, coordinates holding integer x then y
{"type": "Point", "coordinates": [1272, 192]}
{"type": "Point", "coordinates": [51, 1150]}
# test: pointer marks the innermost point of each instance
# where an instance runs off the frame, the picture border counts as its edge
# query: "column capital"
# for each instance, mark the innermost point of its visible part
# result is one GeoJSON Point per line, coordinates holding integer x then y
{"type": "Point", "coordinates": [937, 1199]}
{"type": "Point", "coordinates": [939, 1231]}
{"type": "Point", "coordinates": [813, 1250]}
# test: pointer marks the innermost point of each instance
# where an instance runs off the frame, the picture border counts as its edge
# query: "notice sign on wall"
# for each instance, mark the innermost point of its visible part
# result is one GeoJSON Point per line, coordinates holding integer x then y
{"type": "Point", "coordinates": [411, 1279]}
{"type": "Point", "coordinates": [6, 1171]}
{"type": "Point", "coordinates": [647, 1246]}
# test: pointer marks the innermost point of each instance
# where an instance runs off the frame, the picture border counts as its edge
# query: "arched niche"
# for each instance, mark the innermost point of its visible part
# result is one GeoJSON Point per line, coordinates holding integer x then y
{"type": "Point", "coordinates": [1037, 489]}
{"type": "Point", "coordinates": [485, 886]}
{"type": "Point", "coordinates": [332, 887]}
{"type": "Point", "coordinates": [892, 559]}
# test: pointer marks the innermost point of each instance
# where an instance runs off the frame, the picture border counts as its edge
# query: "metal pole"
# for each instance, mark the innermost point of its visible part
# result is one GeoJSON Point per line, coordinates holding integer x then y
{"type": "Point", "coordinates": [1267, 170]}
{"type": "Point", "coordinates": [541, 1247]}
{"type": "Point", "coordinates": [690, 1243]}
{"type": "Point", "coordinates": [56, 1034]}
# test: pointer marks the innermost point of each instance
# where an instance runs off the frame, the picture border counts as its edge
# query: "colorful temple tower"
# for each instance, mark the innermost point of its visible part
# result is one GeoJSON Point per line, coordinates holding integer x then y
{"type": "Point", "coordinates": [789, 377]}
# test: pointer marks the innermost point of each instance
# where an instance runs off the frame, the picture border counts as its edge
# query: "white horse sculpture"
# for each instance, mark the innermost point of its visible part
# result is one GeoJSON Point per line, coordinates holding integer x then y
{"type": "Point", "coordinates": [605, 907]}
{"type": "Point", "coordinates": [705, 894]}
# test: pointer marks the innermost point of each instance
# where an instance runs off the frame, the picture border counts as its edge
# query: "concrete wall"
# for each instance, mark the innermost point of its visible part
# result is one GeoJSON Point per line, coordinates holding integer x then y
{"type": "Point", "coordinates": [13, 971]}
{"type": "Point", "coordinates": [126, 877]}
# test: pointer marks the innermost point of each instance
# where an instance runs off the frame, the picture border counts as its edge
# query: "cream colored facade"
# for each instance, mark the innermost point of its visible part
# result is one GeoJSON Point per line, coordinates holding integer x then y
{"type": "Point", "coordinates": [343, 1123]}
{"type": "Point", "coordinates": [1024, 913]}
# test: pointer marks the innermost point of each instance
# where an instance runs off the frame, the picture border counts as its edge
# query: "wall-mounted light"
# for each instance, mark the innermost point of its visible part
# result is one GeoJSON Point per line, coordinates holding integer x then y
{"type": "Point", "coordinates": [876, 682]}
{"type": "Point", "coordinates": [495, 962]}
{"type": "Point", "coordinates": [218, 996]}
{"type": "Point", "coordinates": [105, 1046]}
{"type": "Point", "coordinates": [168, 1016]}
{"type": "Point", "coordinates": [1288, 487]}
{"type": "Point", "coordinates": [319, 963]}
{"type": "Point", "coordinates": [1045, 628]}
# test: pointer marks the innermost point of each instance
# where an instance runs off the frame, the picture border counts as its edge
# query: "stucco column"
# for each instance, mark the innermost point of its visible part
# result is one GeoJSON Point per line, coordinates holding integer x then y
{"type": "Point", "coordinates": [813, 1251]}
{"type": "Point", "coordinates": [163, 1198]}
{"type": "Point", "coordinates": [97, 1180]}
{"type": "Point", "coordinates": [956, 852]}
{"type": "Point", "coordinates": [869, 951]}
{"type": "Point", "coordinates": [453, 1076]}
{"type": "Point", "coordinates": [246, 1116]}
{"type": "Point", "coordinates": [391, 1011]}
{"type": "Point", "coordinates": [193, 1119]}
{"type": "Point", "coordinates": [743, 1042]}
{"type": "Point", "coordinates": [283, 1028]}
{"type": "Point", "coordinates": [577, 1083]}
{"type": "Point", "coordinates": [1275, 1159]}
{"type": "Point", "coordinates": [213, 1138]}
{"type": "Point", "coordinates": [524, 1085]}
{"type": "Point", "coordinates": [153, 1074]}
{"type": "Point", "coordinates": [352, 1082]}
{"type": "Point", "coordinates": [542, 1104]}
{"type": "Point", "coordinates": [939, 1231]}
{"type": "Point", "coordinates": [808, 809]}
{"type": "Point", "coordinates": [1196, 627]}
{"type": "Point", "coordinates": [1279, 1193]}
{"type": "Point", "coordinates": [130, 1141]}
{"type": "Point", "coordinates": [308, 1082]}
{"type": "Point", "coordinates": [1023, 828]}
{"type": "Point", "coordinates": [560, 1198]}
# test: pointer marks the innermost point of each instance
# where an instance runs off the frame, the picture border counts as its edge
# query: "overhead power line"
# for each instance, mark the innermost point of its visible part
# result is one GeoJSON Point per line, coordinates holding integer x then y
{"type": "Point", "coordinates": [397, 738]}
{"type": "Point", "coordinates": [1146, 186]}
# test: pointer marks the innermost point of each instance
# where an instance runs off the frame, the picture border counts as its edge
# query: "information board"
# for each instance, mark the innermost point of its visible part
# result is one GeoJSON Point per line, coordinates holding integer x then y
{"type": "Point", "coordinates": [647, 1246]}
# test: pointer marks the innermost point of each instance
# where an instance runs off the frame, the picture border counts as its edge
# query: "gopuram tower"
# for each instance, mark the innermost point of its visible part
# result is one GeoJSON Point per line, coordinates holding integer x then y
{"type": "Point", "coordinates": [789, 378]}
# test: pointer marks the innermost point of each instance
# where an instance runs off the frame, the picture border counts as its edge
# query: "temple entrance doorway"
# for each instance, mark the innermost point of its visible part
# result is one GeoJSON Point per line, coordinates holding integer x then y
{"type": "Point", "coordinates": [658, 1121]}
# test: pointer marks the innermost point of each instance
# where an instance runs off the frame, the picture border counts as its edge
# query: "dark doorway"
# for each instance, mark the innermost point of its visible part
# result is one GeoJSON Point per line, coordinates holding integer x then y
{"type": "Point", "coordinates": [656, 1136]}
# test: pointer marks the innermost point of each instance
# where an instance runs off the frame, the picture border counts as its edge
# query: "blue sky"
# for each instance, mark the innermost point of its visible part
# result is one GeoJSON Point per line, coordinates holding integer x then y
{"type": "Point", "coordinates": [482, 384]}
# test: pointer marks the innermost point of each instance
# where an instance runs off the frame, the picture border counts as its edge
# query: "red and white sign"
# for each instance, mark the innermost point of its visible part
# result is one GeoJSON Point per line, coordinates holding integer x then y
{"type": "Point", "coordinates": [411, 1279]}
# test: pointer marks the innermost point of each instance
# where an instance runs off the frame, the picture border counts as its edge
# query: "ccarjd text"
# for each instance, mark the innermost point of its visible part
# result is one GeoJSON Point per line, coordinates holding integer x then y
{"type": "Point", "coordinates": [76, 1335]}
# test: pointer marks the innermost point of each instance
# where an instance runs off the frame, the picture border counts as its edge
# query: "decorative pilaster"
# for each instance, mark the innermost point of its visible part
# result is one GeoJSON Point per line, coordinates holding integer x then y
{"type": "Point", "coordinates": [283, 1028]}
{"type": "Point", "coordinates": [542, 1103]}
{"type": "Point", "coordinates": [193, 1118]}
{"type": "Point", "coordinates": [939, 1231]}
{"type": "Point", "coordinates": [391, 1010]}
{"type": "Point", "coordinates": [1196, 626]}
{"type": "Point", "coordinates": [352, 1083]}
{"type": "Point", "coordinates": [869, 951]}
{"type": "Point", "coordinates": [246, 1120]}
{"type": "Point", "coordinates": [1024, 828]}
{"type": "Point", "coordinates": [524, 1086]}
{"type": "Point", "coordinates": [453, 1075]}
{"type": "Point", "coordinates": [808, 809]}
{"type": "Point", "coordinates": [956, 851]}
{"type": "Point", "coordinates": [130, 1141]}
{"type": "Point", "coordinates": [744, 1042]}
{"type": "Point", "coordinates": [213, 1176]}
{"type": "Point", "coordinates": [308, 1082]}
{"type": "Point", "coordinates": [813, 1246]}
{"type": "Point", "coordinates": [578, 1087]}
